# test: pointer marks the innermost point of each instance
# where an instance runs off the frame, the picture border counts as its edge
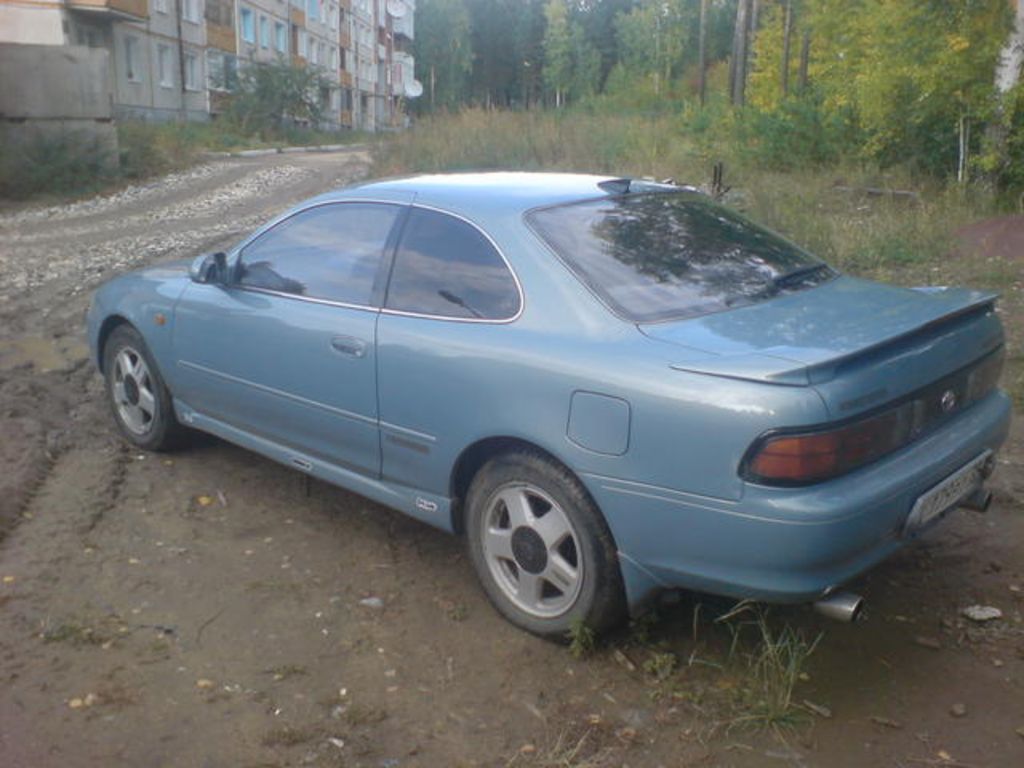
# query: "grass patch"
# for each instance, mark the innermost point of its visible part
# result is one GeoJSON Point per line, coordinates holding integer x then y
{"type": "Point", "coordinates": [75, 633]}
{"type": "Point", "coordinates": [69, 164]}
{"type": "Point", "coordinates": [582, 639]}
{"type": "Point", "coordinates": [769, 669]}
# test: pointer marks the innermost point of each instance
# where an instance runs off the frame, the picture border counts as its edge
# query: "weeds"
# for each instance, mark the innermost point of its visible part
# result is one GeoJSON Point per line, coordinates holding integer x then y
{"type": "Point", "coordinates": [769, 670]}
{"type": "Point", "coordinates": [570, 750]}
{"type": "Point", "coordinates": [582, 639]}
{"type": "Point", "coordinates": [661, 665]}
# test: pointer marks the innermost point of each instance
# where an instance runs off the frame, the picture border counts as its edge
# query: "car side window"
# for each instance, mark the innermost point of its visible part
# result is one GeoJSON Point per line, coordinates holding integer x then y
{"type": "Point", "coordinates": [448, 268]}
{"type": "Point", "coordinates": [328, 252]}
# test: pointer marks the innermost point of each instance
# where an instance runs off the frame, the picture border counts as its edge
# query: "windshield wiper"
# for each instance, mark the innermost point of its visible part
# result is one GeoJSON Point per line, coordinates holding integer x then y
{"type": "Point", "coordinates": [793, 276]}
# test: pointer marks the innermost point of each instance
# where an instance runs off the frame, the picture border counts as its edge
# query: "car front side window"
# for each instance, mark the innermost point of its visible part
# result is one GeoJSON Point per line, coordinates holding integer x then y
{"type": "Point", "coordinates": [331, 252]}
{"type": "Point", "coordinates": [445, 267]}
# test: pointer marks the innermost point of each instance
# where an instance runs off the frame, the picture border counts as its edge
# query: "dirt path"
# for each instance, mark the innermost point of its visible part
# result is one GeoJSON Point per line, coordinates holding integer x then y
{"type": "Point", "coordinates": [207, 608]}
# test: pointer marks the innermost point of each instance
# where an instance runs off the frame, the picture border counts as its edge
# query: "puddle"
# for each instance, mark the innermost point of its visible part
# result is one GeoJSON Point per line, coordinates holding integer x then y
{"type": "Point", "coordinates": [43, 354]}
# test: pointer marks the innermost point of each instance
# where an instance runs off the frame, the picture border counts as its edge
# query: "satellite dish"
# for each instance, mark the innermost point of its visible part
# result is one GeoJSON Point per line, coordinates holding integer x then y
{"type": "Point", "coordinates": [396, 9]}
{"type": "Point", "coordinates": [413, 89]}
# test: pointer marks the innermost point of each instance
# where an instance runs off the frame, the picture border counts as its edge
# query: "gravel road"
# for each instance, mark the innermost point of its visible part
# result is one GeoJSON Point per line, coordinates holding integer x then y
{"type": "Point", "coordinates": [209, 608]}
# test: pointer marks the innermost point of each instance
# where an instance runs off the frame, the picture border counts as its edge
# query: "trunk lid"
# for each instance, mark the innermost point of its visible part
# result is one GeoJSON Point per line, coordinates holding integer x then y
{"type": "Point", "coordinates": [859, 343]}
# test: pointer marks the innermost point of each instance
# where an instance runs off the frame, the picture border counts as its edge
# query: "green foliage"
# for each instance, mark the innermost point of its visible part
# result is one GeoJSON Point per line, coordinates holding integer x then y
{"type": "Point", "coordinates": [891, 82]}
{"type": "Point", "coordinates": [796, 133]}
{"type": "Point", "coordinates": [771, 668]}
{"type": "Point", "coordinates": [443, 52]}
{"type": "Point", "coordinates": [66, 162]}
{"type": "Point", "coordinates": [272, 95]}
{"type": "Point", "coordinates": [582, 640]}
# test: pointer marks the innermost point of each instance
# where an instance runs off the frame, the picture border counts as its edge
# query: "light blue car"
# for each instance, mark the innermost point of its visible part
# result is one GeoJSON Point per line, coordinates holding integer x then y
{"type": "Point", "coordinates": [609, 387]}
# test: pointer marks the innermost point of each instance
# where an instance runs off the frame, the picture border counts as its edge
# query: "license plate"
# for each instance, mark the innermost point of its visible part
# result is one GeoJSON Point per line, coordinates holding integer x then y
{"type": "Point", "coordinates": [947, 494]}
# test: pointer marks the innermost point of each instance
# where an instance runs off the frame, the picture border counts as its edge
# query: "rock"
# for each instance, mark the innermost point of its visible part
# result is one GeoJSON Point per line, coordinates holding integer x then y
{"type": "Point", "coordinates": [982, 613]}
{"type": "Point", "coordinates": [818, 709]}
{"type": "Point", "coordinates": [1020, 731]}
{"type": "Point", "coordinates": [339, 743]}
{"type": "Point", "coordinates": [928, 642]}
{"type": "Point", "coordinates": [204, 684]}
{"type": "Point", "coordinates": [76, 703]}
{"type": "Point", "coordinates": [372, 602]}
{"type": "Point", "coordinates": [958, 710]}
{"type": "Point", "coordinates": [624, 660]}
{"type": "Point", "coordinates": [886, 722]}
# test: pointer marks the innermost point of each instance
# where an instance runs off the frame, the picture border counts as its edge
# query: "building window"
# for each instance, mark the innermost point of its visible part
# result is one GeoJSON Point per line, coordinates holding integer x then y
{"type": "Point", "coordinates": [160, 6]}
{"type": "Point", "coordinates": [332, 16]}
{"type": "Point", "coordinates": [312, 52]}
{"type": "Point", "coordinates": [334, 57]}
{"type": "Point", "coordinates": [302, 43]}
{"type": "Point", "coordinates": [248, 25]}
{"type": "Point", "coordinates": [313, 10]}
{"type": "Point", "coordinates": [131, 59]}
{"type": "Point", "coordinates": [190, 11]}
{"type": "Point", "coordinates": [191, 72]}
{"type": "Point", "coordinates": [280, 37]}
{"type": "Point", "coordinates": [264, 32]}
{"type": "Point", "coordinates": [163, 65]}
{"type": "Point", "coordinates": [221, 70]}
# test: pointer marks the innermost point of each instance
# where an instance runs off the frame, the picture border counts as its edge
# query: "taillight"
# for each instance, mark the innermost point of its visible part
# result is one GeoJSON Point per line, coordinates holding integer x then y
{"type": "Point", "coordinates": [792, 459]}
{"type": "Point", "coordinates": [800, 458]}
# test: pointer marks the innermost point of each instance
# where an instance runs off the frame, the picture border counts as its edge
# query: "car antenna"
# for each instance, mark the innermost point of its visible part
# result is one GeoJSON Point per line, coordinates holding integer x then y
{"type": "Point", "coordinates": [616, 186]}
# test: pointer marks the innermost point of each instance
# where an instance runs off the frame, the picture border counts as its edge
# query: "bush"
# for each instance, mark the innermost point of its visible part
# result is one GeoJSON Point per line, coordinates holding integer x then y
{"type": "Point", "coordinates": [68, 162]}
{"type": "Point", "coordinates": [795, 134]}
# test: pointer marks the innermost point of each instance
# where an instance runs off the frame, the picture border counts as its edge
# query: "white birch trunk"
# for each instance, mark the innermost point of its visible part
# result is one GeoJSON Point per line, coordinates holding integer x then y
{"type": "Point", "coordinates": [1012, 56]}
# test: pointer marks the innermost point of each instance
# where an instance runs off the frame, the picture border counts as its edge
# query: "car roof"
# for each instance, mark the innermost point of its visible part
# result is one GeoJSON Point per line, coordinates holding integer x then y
{"type": "Point", "coordinates": [485, 192]}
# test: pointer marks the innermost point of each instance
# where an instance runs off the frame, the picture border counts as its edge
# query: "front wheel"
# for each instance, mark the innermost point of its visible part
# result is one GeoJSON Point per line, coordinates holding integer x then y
{"type": "Point", "coordinates": [541, 548]}
{"type": "Point", "coordinates": [139, 399]}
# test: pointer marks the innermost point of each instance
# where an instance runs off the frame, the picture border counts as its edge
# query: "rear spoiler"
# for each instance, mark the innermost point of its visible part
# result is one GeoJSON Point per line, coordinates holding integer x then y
{"type": "Point", "coordinates": [769, 368]}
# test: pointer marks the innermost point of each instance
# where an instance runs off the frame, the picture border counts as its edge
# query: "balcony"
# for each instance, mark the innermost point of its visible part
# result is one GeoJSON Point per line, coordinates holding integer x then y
{"type": "Point", "coordinates": [113, 10]}
{"type": "Point", "coordinates": [345, 39]}
{"type": "Point", "coordinates": [221, 37]}
{"type": "Point", "coordinates": [345, 79]}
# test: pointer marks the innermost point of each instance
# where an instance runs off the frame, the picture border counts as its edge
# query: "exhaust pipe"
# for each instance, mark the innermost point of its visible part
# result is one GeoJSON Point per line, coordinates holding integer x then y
{"type": "Point", "coordinates": [978, 500]}
{"type": "Point", "coordinates": [841, 606]}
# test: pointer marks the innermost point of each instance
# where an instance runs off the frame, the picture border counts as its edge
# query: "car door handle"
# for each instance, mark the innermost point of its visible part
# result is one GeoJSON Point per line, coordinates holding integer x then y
{"type": "Point", "coordinates": [349, 345]}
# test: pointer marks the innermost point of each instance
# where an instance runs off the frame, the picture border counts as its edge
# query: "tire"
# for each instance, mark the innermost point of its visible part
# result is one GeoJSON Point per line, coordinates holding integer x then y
{"type": "Point", "coordinates": [540, 547]}
{"type": "Point", "coordinates": [139, 400]}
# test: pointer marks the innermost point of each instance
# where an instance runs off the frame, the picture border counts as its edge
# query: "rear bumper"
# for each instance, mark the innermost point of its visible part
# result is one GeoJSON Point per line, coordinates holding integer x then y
{"type": "Point", "coordinates": [787, 544]}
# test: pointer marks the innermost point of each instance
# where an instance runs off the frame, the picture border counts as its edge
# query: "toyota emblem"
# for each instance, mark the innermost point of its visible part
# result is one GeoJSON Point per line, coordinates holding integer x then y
{"type": "Point", "coordinates": [948, 401]}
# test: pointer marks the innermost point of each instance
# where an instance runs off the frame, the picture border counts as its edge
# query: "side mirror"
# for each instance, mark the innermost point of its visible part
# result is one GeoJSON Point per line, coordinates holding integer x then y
{"type": "Point", "coordinates": [209, 268]}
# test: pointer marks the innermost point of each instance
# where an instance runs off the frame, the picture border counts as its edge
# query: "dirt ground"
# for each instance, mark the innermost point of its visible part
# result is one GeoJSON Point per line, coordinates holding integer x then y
{"type": "Point", "coordinates": [209, 608]}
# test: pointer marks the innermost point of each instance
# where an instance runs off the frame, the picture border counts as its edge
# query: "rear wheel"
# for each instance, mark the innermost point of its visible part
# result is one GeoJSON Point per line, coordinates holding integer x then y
{"type": "Point", "coordinates": [139, 399]}
{"type": "Point", "coordinates": [541, 548]}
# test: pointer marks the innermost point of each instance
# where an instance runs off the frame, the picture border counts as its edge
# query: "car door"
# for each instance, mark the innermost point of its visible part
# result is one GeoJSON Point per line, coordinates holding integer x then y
{"type": "Point", "coordinates": [286, 350]}
{"type": "Point", "coordinates": [442, 338]}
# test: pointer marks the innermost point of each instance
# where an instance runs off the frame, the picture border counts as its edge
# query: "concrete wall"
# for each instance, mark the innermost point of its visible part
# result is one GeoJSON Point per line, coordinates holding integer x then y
{"type": "Point", "coordinates": [76, 98]}
{"type": "Point", "coordinates": [36, 24]}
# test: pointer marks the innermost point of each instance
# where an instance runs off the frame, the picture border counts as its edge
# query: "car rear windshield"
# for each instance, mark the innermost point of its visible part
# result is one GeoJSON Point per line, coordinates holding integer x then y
{"type": "Point", "coordinates": [661, 256]}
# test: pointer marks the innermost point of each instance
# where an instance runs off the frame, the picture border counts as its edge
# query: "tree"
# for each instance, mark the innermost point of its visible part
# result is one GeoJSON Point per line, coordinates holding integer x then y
{"type": "Point", "coordinates": [444, 57]}
{"type": "Point", "coordinates": [738, 61]}
{"type": "Point", "coordinates": [1007, 78]}
{"type": "Point", "coordinates": [272, 94]}
{"type": "Point", "coordinates": [557, 50]}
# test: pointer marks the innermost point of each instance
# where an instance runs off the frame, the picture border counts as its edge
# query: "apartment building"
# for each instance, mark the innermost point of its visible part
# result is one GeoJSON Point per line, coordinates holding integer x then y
{"type": "Point", "coordinates": [179, 59]}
